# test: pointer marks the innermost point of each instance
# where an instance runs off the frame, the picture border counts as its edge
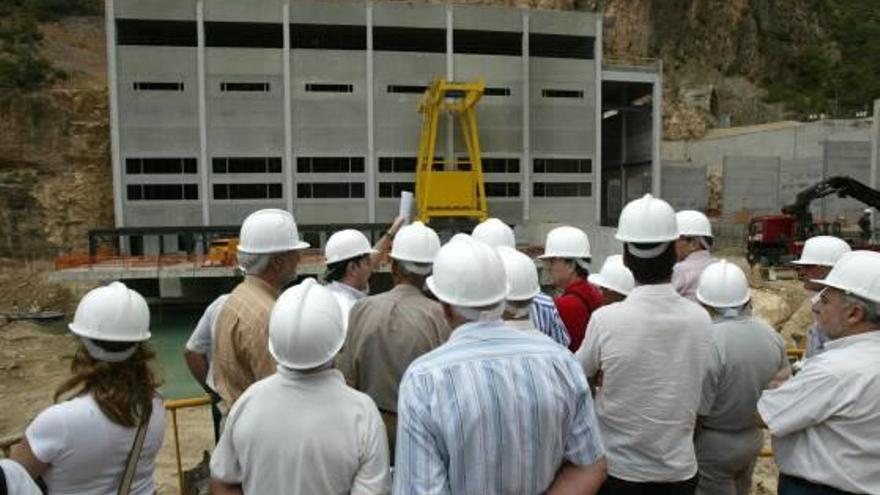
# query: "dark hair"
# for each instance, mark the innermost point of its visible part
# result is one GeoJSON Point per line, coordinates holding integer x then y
{"type": "Point", "coordinates": [648, 271]}
{"type": "Point", "coordinates": [336, 271]}
{"type": "Point", "coordinates": [124, 391]}
{"type": "Point", "coordinates": [581, 271]}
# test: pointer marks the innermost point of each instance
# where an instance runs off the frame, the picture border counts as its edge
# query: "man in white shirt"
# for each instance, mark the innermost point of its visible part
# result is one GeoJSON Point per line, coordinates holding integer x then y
{"type": "Point", "coordinates": [302, 430]}
{"type": "Point", "coordinates": [350, 262]}
{"type": "Point", "coordinates": [651, 351]}
{"type": "Point", "coordinates": [197, 356]}
{"type": "Point", "coordinates": [692, 251]}
{"type": "Point", "coordinates": [825, 419]}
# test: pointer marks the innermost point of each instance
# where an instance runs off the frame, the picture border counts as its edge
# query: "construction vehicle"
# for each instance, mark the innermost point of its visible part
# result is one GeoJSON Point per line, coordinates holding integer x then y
{"type": "Point", "coordinates": [777, 239]}
{"type": "Point", "coordinates": [450, 188]}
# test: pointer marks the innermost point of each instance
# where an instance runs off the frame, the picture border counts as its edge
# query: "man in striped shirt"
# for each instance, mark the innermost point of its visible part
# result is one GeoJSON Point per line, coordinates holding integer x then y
{"type": "Point", "coordinates": [494, 410]}
{"type": "Point", "coordinates": [545, 318]}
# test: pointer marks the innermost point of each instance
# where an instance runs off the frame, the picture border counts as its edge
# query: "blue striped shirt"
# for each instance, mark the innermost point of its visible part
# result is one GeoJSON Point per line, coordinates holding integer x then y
{"type": "Point", "coordinates": [494, 410]}
{"type": "Point", "coordinates": [545, 318]}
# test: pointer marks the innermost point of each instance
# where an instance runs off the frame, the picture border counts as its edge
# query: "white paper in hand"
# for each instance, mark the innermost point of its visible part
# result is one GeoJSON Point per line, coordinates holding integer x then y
{"type": "Point", "coordinates": [406, 200]}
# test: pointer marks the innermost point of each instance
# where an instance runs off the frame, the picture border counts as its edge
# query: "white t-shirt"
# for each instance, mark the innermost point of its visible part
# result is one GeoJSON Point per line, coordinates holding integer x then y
{"type": "Point", "coordinates": [347, 297]}
{"type": "Point", "coordinates": [86, 452]}
{"type": "Point", "coordinates": [825, 420]}
{"type": "Point", "coordinates": [202, 339]}
{"type": "Point", "coordinates": [654, 349]}
{"type": "Point", "coordinates": [304, 433]}
{"type": "Point", "coordinates": [18, 480]}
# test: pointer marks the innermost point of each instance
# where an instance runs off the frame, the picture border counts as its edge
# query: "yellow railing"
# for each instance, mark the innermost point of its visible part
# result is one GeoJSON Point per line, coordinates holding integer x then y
{"type": "Point", "coordinates": [172, 406]}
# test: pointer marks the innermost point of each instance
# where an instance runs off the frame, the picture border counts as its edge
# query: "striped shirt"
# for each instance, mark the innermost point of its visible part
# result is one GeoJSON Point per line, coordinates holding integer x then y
{"type": "Point", "coordinates": [545, 318]}
{"type": "Point", "coordinates": [494, 410]}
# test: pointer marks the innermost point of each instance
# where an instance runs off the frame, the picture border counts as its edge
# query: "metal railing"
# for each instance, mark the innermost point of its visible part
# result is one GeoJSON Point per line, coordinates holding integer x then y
{"type": "Point", "coordinates": [172, 406]}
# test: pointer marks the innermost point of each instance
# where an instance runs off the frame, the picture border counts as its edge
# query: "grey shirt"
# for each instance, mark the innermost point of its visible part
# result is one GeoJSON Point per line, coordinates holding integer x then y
{"type": "Point", "coordinates": [748, 353]}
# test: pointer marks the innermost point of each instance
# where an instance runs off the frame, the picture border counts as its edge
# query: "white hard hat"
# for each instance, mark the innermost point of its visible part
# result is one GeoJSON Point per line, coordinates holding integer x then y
{"type": "Point", "coordinates": [647, 220]}
{"type": "Point", "coordinates": [566, 242]}
{"type": "Point", "coordinates": [305, 327]}
{"type": "Point", "coordinates": [468, 273]}
{"type": "Point", "coordinates": [522, 274]}
{"type": "Point", "coordinates": [822, 250]}
{"type": "Point", "coordinates": [269, 231]}
{"type": "Point", "coordinates": [867, 210]}
{"type": "Point", "coordinates": [692, 223]}
{"type": "Point", "coordinates": [345, 245]}
{"type": "Point", "coordinates": [857, 273]}
{"type": "Point", "coordinates": [723, 285]}
{"type": "Point", "coordinates": [495, 233]}
{"type": "Point", "coordinates": [113, 313]}
{"type": "Point", "coordinates": [416, 243]}
{"type": "Point", "coordinates": [614, 275]}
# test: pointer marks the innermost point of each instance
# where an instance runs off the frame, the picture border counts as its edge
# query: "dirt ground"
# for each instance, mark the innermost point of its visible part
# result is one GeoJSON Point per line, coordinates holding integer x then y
{"type": "Point", "coordinates": [33, 362]}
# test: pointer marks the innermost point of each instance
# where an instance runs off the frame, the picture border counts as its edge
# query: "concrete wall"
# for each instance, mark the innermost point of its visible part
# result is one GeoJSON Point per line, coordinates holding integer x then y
{"type": "Point", "coordinates": [156, 124]}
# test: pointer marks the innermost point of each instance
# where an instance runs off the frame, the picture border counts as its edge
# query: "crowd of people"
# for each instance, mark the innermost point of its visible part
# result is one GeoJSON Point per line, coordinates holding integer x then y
{"type": "Point", "coordinates": [650, 376]}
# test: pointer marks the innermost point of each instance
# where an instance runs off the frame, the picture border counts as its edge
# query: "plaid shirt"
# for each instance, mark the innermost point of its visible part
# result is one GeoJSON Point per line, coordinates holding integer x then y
{"type": "Point", "coordinates": [241, 340]}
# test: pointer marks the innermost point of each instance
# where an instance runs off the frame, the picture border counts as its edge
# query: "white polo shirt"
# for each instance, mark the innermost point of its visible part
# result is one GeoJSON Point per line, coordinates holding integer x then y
{"type": "Point", "coordinates": [347, 296]}
{"type": "Point", "coordinates": [299, 432]}
{"type": "Point", "coordinates": [825, 420]}
{"type": "Point", "coordinates": [654, 349]}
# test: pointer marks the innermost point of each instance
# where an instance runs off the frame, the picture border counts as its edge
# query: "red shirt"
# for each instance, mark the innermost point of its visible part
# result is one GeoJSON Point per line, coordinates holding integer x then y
{"type": "Point", "coordinates": [575, 306]}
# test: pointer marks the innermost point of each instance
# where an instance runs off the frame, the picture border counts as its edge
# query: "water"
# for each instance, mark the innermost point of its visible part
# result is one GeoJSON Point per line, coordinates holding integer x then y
{"type": "Point", "coordinates": [171, 328]}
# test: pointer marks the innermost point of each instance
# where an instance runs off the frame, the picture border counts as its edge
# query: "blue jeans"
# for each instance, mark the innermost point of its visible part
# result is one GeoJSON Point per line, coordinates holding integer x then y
{"type": "Point", "coordinates": [791, 485]}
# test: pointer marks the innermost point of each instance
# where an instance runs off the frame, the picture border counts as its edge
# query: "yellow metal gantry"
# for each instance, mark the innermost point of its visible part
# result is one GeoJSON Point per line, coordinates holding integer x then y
{"type": "Point", "coordinates": [450, 188]}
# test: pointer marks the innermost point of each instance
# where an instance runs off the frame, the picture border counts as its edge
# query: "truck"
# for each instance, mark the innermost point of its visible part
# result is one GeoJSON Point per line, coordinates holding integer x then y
{"type": "Point", "coordinates": [773, 240]}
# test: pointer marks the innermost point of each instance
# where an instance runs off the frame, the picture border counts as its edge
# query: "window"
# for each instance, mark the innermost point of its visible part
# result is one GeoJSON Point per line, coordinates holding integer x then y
{"type": "Point", "coordinates": [244, 35]}
{"type": "Point", "coordinates": [397, 164]}
{"type": "Point", "coordinates": [487, 42]}
{"type": "Point", "coordinates": [393, 189]}
{"type": "Point", "coordinates": [319, 190]}
{"type": "Point", "coordinates": [157, 86]}
{"type": "Point", "coordinates": [502, 189]}
{"type": "Point", "coordinates": [328, 37]}
{"type": "Point", "coordinates": [500, 165]}
{"type": "Point", "coordinates": [563, 166]}
{"type": "Point", "coordinates": [562, 93]}
{"type": "Point", "coordinates": [407, 89]}
{"type": "Point", "coordinates": [244, 86]}
{"type": "Point", "coordinates": [496, 92]}
{"type": "Point", "coordinates": [330, 165]}
{"type": "Point", "coordinates": [247, 191]}
{"type": "Point", "coordinates": [156, 33]}
{"type": "Point", "coordinates": [408, 39]}
{"type": "Point", "coordinates": [561, 46]}
{"type": "Point", "coordinates": [136, 166]}
{"type": "Point", "coordinates": [138, 192]}
{"type": "Point", "coordinates": [246, 165]}
{"type": "Point", "coordinates": [329, 88]}
{"type": "Point", "coordinates": [562, 189]}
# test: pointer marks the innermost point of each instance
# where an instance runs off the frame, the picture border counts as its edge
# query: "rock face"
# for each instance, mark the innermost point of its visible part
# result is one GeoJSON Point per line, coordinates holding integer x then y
{"type": "Point", "coordinates": [54, 170]}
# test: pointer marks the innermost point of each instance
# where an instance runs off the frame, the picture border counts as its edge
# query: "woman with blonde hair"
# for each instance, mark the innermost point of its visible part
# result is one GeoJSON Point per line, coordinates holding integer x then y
{"type": "Point", "coordinates": [104, 437]}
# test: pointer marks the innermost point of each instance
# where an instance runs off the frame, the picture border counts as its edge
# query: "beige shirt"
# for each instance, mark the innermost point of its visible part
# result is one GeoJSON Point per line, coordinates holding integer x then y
{"type": "Point", "coordinates": [241, 340]}
{"type": "Point", "coordinates": [306, 433]}
{"type": "Point", "coordinates": [386, 332]}
{"type": "Point", "coordinates": [653, 349]}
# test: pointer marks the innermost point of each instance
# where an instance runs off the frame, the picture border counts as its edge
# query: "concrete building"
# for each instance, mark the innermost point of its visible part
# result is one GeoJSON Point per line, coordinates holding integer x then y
{"type": "Point", "coordinates": [222, 107]}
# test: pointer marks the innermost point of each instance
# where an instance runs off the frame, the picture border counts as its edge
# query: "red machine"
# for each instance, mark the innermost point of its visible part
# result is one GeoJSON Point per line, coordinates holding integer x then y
{"type": "Point", "coordinates": [778, 239]}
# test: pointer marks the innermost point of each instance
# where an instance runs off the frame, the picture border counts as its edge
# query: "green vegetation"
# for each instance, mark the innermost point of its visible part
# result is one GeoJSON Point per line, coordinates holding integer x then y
{"type": "Point", "coordinates": [21, 66]}
{"type": "Point", "coordinates": [838, 76]}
